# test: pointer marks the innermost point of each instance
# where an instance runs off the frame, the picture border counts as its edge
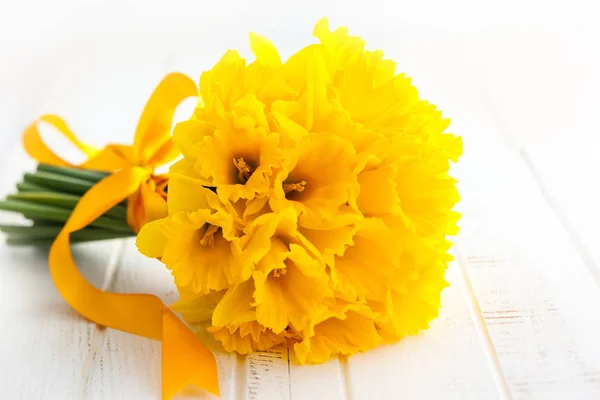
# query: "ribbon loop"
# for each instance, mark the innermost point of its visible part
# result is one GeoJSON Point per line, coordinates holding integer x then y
{"type": "Point", "coordinates": [38, 150]}
{"type": "Point", "coordinates": [153, 133]}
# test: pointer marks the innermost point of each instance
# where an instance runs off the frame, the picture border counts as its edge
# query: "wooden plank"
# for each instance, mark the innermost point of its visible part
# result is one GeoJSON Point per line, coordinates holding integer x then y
{"type": "Point", "coordinates": [533, 288]}
{"type": "Point", "coordinates": [276, 374]}
{"type": "Point", "coordinates": [320, 381]}
{"type": "Point", "coordinates": [43, 342]}
{"type": "Point", "coordinates": [267, 375]}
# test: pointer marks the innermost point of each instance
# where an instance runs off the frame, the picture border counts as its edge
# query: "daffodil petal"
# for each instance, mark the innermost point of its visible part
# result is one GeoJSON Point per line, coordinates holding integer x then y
{"type": "Point", "coordinates": [349, 335]}
{"type": "Point", "coordinates": [198, 309]}
{"type": "Point", "coordinates": [150, 241]}
{"type": "Point", "coordinates": [264, 50]}
{"type": "Point", "coordinates": [235, 307]}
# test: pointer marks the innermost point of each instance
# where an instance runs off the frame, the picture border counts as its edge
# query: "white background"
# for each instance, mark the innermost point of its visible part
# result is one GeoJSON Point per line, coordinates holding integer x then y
{"type": "Point", "coordinates": [539, 56]}
{"type": "Point", "coordinates": [520, 81]}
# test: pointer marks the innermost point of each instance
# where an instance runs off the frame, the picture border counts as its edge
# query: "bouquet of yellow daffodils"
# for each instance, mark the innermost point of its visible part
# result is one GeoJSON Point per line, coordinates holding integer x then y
{"type": "Point", "coordinates": [310, 208]}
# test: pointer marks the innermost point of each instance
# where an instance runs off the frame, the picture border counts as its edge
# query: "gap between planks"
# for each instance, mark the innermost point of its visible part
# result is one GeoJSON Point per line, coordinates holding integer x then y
{"type": "Point", "coordinates": [289, 369]}
{"type": "Point", "coordinates": [99, 332]}
{"type": "Point", "coordinates": [346, 386]}
{"type": "Point", "coordinates": [480, 326]}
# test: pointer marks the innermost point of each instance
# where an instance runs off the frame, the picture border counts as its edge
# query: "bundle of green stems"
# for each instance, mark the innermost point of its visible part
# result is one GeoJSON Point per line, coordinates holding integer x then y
{"type": "Point", "coordinates": [47, 197]}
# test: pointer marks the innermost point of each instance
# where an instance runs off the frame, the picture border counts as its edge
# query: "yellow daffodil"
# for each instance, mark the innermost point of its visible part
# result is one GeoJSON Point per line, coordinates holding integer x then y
{"type": "Point", "coordinates": [200, 247]}
{"type": "Point", "coordinates": [317, 179]}
{"type": "Point", "coordinates": [312, 204]}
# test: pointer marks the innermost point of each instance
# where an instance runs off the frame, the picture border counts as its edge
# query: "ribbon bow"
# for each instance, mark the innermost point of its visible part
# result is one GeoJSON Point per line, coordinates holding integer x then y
{"type": "Point", "coordinates": [185, 360]}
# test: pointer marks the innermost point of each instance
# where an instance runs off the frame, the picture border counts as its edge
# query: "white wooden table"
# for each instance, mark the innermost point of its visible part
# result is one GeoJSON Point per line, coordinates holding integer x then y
{"type": "Point", "coordinates": [521, 318]}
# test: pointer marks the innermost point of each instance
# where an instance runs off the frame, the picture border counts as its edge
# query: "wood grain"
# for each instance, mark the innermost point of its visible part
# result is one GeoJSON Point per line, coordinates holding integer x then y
{"type": "Point", "coordinates": [44, 343]}
{"type": "Point", "coordinates": [533, 288]}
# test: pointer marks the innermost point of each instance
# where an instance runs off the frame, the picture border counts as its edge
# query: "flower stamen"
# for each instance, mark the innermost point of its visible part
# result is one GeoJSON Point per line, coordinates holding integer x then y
{"type": "Point", "coordinates": [294, 187]}
{"type": "Point", "coordinates": [208, 239]}
{"type": "Point", "coordinates": [279, 272]}
{"type": "Point", "coordinates": [243, 168]}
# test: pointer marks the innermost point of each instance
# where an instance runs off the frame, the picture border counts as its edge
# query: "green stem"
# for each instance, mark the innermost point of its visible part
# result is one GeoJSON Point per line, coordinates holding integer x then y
{"type": "Point", "coordinates": [43, 222]}
{"type": "Point", "coordinates": [52, 213]}
{"type": "Point", "coordinates": [63, 200]}
{"type": "Point", "coordinates": [39, 242]}
{"type": "Point", "coordinates": [59, 183]}
{"type": "Point", "coordinates": [48, 197]}
{"type": "Point", "coordinates": [49, 178]}
{"type": "Point", "coordinates": [51, 232]}
{"type": "Point", "coordinates": [84, 174]}
{"type": "Point", "coordinates": [30, 187]}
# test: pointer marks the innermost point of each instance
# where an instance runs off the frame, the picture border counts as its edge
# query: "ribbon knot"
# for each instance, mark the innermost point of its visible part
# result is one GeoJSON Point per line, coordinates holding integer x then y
{"type": "Point", "coordinates": [185, 360]}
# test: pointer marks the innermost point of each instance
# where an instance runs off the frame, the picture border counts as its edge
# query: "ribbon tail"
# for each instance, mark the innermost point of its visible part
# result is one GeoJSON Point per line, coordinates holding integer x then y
{"type": "Point", "coordinates": [185, 359]}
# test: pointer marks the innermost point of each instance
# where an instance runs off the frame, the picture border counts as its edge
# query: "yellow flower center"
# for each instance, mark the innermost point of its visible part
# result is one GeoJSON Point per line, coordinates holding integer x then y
{"type": "Point", "coordinates": [244, 170]}
{"type": "Point", "coordinates": [209, 239]}
{"type": "Point", "coordinates": [294, 187]}
{"type": "Point", "coordinates": [279, 272]}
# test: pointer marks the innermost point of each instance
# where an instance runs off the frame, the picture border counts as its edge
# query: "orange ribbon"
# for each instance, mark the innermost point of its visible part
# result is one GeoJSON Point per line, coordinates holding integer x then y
{"type": "Point", "coordinates": [185, 360]}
